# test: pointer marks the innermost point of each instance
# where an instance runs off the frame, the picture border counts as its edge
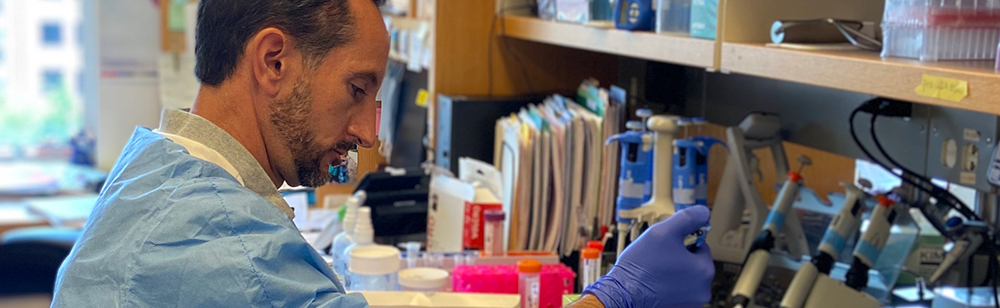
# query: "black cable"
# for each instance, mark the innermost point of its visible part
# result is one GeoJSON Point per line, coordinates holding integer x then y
{"type": "Point", "coordinates": [871, 157]}
{"type": "Point", "coordinates": [940, 194]}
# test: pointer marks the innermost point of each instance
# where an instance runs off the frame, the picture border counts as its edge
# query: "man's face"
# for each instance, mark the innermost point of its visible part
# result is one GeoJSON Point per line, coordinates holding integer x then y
{"type": "Point", "coordinates": [332, 108]}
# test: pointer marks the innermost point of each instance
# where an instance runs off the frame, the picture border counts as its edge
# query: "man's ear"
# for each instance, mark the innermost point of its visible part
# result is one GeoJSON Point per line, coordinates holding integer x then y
{"type": "Point", "coordinates": [270, 52]}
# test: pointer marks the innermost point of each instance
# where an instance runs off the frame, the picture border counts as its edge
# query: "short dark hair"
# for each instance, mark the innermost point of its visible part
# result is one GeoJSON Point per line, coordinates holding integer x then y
{"type": "Point", "coordinates": [225, 26]}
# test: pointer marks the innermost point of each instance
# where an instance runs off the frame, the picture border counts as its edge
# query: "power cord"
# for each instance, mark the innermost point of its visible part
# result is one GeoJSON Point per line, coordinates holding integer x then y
{"type": "Point", "coordinates": [876, 107]}
{"type": "Point", "coordinates": [937, 192]}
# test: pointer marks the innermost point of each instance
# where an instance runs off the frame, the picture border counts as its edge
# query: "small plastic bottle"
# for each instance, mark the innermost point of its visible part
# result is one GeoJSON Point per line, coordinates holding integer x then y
{"type": "Point", "coordinates": [529, 282]}
{"type": "Point", "coordinates": [590, 268]}
{"type": "Point", "coordinates": [493, 233]}
{"type": "Point", "coordinates": [364, 233]}
{"type": "Point", "coordinates": [346, 238]}
{"type": "Point", "coordinates": [600, 258]}
{"type": "Point", "coordinates": [412, 254]}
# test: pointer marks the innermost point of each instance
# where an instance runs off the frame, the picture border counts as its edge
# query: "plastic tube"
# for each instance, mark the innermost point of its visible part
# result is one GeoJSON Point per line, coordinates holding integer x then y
{"type": "Point", "coordinates": [529, 282]}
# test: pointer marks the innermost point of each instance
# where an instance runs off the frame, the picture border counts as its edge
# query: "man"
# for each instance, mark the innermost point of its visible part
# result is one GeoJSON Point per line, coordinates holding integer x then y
{"type": "Point", "coordinates": [191, 217]}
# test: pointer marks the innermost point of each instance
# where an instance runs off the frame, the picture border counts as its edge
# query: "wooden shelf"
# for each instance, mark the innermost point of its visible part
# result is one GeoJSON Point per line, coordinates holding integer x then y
{"type": "Point", "coordinates": [675, 49]}
{"type": "Point", "coordinates": [865, 72]}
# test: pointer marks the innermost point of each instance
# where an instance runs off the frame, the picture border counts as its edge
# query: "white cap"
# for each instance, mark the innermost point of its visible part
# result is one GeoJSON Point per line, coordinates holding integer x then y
{"type": "Point", "coordinates": [364, 232]}
{"type": "Point", "coordinates": [351, 217]}
{"type": "Point", "coordinates": [361, 196]}
{"type": "Point", "coordinates": [374, 260]}
{"type": "Point", "coordinates": [423, 278]}
{"type": "Point", "coordinates": [412, 249]}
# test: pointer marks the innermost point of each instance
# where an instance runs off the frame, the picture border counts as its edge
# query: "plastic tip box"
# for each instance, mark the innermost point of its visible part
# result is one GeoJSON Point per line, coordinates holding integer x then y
{"type": "Point", "coordinates": [942, 29]}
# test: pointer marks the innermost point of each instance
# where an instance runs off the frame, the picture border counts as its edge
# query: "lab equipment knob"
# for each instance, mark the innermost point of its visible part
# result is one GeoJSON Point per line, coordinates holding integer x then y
{"type": "Point", "coordinates": [633, 125]}
{"type": "Point", "coordinates": [644, 114]}
{"type": "Point", "coordinates": [803, 162]}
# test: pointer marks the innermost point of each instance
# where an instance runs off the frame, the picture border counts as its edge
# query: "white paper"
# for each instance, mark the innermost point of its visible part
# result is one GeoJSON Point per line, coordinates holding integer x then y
{"type": "Point", "coordinates": [299, 202]}
{"type": "Point", "coordinates": [508, 156]}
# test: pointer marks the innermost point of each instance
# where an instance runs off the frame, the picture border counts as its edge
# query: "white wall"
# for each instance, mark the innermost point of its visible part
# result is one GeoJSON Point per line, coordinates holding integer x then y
{"type": "Point", "coordinates": [129, 37]}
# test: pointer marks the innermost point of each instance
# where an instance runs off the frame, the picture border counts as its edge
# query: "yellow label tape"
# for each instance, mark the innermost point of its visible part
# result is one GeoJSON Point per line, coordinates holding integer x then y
{"type": "Point", "coordinates": [422, 98]}
{"type": "Point", "coordinates": [944, 88]}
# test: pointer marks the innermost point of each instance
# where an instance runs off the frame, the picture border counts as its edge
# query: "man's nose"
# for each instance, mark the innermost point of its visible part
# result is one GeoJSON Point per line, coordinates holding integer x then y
{"type": "Point", "coordinates": [362, 127]}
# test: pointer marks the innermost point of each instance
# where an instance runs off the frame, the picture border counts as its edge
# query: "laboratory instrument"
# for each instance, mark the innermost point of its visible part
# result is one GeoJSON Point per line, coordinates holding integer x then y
{"type": "Point", "coordinates": [634, 186]}
{"type": "Point", "coordinates": [737, 196]}
{"type": "Point", "coordinates": [690, 171]}
{"type": "Point", "coordinates": [424, 279]}
{"type": "Point", "coordinates": [841, 229]}
{"type": "Point", "coordinates": [590, 267]}
{"type": "Point", "coordinates": [828, 292]}
{"type": "Point", "coordinates": [634, 15]}
{"type": "Point", "coordinates": [398, 199]}
{"type": "Point", "coordinates": [529, 282]}
{"type": "Point", "coordinates": [493, 233]}
{"type": "Point", "coordinates": [705, 144]}
{"type": "Point", "coordinates": [684, 175]}
{"type": "Point", "coordinates": [760, 251]}
{"type": "Point", "coordinates": [373, 268]}
{"type": "Point", "coordinates": [660, 205]}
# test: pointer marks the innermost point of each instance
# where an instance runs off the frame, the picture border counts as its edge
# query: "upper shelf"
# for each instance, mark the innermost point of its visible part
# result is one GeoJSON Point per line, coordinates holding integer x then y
{"type": "Point", "coordinates": [675, 49]}
{"type": "Point", "coordinates": [866, 72]}
{"type": "Point", "coordinates": [857, 71]}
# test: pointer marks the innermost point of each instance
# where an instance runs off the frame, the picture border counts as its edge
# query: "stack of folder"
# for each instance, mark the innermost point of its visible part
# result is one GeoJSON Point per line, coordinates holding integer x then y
{"type": "Point", "coordinates": [559, 178]}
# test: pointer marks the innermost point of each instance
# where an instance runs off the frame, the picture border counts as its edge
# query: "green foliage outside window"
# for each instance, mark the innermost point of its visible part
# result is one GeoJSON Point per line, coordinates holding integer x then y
{"type": "Point", "coordinates": [52, 121]}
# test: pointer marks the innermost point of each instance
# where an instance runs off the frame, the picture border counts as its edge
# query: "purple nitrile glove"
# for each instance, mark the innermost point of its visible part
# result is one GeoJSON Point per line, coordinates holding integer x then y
{"type": "Point", "coordinates": [657, 270]}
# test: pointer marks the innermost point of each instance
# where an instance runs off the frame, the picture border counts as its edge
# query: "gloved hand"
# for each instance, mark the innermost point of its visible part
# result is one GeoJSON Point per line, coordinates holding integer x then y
{"type": "Point", "coordinates": [657, 270]}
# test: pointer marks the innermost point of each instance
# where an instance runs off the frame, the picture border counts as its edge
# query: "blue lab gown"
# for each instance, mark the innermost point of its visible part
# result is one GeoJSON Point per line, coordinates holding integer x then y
{"type": "Point", "coordinates": [173, 230]}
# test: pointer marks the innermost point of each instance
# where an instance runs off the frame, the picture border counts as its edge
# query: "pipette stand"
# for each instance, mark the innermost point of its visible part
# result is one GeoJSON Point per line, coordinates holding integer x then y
{"type": "Point", "coordinates": [729, 239]}
{"type": "Point", "coordinates": [660, 205]}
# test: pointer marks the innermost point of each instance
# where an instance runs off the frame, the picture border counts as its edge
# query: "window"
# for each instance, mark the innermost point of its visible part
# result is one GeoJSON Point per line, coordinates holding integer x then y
{"type": "Point", "coordinates": [51, 34]}
{"type": "Point", "coordinates": [52, 80]}
{"type": "Point", "coordinates": [41, 103]}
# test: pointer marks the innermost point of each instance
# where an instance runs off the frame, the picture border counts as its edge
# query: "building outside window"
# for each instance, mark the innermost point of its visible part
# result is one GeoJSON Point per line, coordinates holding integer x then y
{"type": "Point", "coordinates": [41, 102]}
{"type": "Point", "coordinates": [51, 34]}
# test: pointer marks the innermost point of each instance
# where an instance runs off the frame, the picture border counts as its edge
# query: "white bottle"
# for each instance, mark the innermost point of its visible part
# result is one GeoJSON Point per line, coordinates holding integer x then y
{"type": "Point", "coordinates": [346, 237]}
{"type": "Point", "coordinates": [364, 235]}
{"type": "Point", "coordinates": [364, 232]}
